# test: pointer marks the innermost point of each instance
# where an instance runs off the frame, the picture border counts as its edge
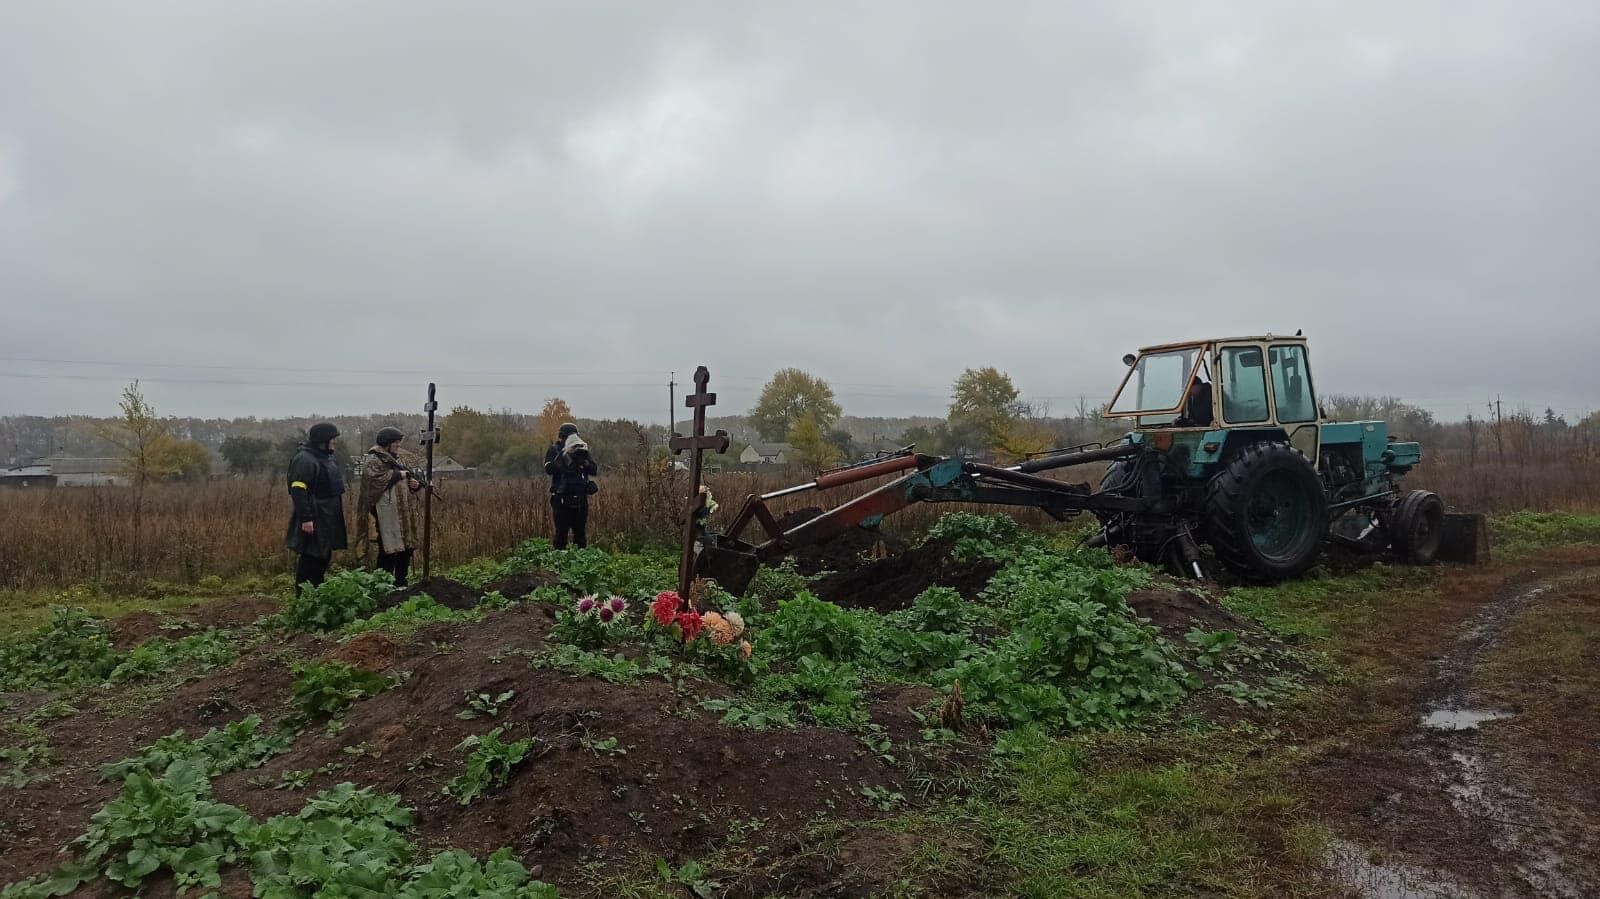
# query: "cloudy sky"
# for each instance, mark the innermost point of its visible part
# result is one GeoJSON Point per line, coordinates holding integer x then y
{"type": "Point", "coordinates": [284, 207]}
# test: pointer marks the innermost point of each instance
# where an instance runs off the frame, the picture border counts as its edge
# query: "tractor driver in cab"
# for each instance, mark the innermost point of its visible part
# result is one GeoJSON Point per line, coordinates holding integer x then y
{"type": "Point", "coordinates": [1196, 405]}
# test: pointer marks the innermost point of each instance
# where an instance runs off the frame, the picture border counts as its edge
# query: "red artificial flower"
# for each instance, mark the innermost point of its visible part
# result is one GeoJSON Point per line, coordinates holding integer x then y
{"type": "Point", "coordinates": [665, 607]}
{"type": "Point", "coordinates": [690, 623]}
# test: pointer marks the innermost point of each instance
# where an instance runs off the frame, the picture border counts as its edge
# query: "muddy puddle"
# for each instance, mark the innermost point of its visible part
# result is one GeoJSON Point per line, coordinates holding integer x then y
{"type": "Point", "coordinates": [1356, 869]}
{"type": "Point", "coordinates": [1461, 719]}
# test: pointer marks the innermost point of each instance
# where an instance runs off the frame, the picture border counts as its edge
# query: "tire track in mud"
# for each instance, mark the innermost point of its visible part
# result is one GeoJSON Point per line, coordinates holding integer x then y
{"type": "Point", "coordinates": [1529, 853]}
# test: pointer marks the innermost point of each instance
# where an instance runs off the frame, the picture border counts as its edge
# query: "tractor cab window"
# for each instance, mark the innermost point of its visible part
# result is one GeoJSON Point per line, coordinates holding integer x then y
{"type": "Point", "coordinates": [1158, 382]}
{"type": "Point", "coordinates": [1244, 385]}
{"type": "Point", "coordinates": [1291, 384]}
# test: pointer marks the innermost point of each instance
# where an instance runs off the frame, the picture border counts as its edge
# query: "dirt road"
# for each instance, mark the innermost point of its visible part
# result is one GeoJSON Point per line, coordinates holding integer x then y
{"type": "Point", "coordinates": [1487, 783]}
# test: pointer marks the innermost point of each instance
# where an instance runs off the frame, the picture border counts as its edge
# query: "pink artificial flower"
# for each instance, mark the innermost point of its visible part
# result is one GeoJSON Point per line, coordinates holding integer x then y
{"type": "Point", "coordinates": [618, 604]}
{"type": "Point", "coordinates": [606, 614]}
{"type": "Point", "coordinates": [586, 605]}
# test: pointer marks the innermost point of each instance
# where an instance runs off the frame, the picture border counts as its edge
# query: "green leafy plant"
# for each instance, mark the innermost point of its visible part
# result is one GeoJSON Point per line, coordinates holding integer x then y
{"type": "Point", "coordinates": [485, 705]}
{"type": "Point", "coordinates": [342, 598]}
{"type": "Point", "coordinates": [454, 873]}
{"type": "Point", "coordinates": [408, 617]}
{"type": "Point", "coordinates": [752, 714]}
{"type": "Point", "coordinates": [615, 669]}
{"type": "Point", "coordinates": [994, 537]}
{"type": "Point", "coordinates": [323, 689]}
{"type": "Point", "coordinates": [691, 875]}
{"type": "Point", "coordinates": [71, 649]}
{"type": "Point", "coordinates": [203, 651]}
{"type": "Point", "coordinates": [806, 625]}
{"type": "Point", "coordinates": [831, 691]}
{"type": "Point", "coordinates": [882, 798]}
{"type": "Point", "coordinates": [941, 610]}
{"type": "Point", "coordinates": [344, 842]}
{"type": "Point", "coordinates": [161, 823]}
{"type": "Point", "coordinates": [237, 746]}
{"type": "Point", "coordinates": [1211, 648]}
{"type": "Point", "coordinates": [489, 764]}
{"type": "Point", "coordinates": [601, 746]}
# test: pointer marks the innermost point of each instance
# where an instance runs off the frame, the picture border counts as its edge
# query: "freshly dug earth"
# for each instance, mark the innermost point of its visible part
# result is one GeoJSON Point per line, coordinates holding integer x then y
{"type": "Point", "coordinates": [450, 594]}
{"type": "Point", "coordinates": [1174, 612]}
{"type": "Point", "coordinates": [842, 553]}
{"type": "Point", "coordinates": [894, 583]}
{"type": "Point", "coordinates": [681, 785]}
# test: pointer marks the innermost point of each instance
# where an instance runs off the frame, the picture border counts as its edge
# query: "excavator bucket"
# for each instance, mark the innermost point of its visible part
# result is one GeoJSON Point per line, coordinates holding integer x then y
{"type": "Point", "coordinates": [732, 567]}
{"type": "Point", "coordinates": [1464, 537]}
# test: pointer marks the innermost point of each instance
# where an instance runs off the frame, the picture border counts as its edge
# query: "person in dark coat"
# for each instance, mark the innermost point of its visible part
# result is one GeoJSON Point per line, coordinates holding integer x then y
{"type": "Point", "coordinates": [570, 467]}
{"type": "Point", "coordinates": [316, 487]}
{"type": "Point", "coordinates": [566, 430]}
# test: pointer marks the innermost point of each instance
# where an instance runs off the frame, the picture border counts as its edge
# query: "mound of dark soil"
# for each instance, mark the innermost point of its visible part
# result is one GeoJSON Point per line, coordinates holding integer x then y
{"type": "Point", "coordinates": [844, 552]}
{"type": "Point", "coordinates": [1174, 612]}
{"type": "Point", "coordinates": [895, 582]}
{"type": "Point", "coordinates": [518, 586]}
{"type": "Point", "coordinates": [450, 594]}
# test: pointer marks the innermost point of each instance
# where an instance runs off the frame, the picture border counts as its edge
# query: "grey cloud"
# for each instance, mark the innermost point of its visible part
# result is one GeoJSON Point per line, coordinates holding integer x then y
{"type": "Point", "coordinates": [882, 194]}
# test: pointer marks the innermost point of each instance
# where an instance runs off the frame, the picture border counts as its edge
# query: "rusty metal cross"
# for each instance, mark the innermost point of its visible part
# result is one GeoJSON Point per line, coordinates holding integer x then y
{"type": "Point", "coordinates": [697, 443]}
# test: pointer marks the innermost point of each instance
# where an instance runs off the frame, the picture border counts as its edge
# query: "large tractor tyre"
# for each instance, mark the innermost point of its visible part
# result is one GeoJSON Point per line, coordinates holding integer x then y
{"type": "Point", "coordinates": [1414, 527]}
{"type": "Point", "coordinates": [1120, 528]}
{"type": "Point", "coordinates": [1266, 513]}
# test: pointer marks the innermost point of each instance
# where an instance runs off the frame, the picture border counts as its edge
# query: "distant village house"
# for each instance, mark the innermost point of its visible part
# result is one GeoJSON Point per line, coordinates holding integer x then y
{"type": "Point", "coordinates": [26, 477]}
{"type": "Point", "coordinates": [766, 454]}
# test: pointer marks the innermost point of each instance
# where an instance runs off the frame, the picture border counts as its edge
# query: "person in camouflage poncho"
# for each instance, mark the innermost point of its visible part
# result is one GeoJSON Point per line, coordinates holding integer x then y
{"type": "Point", "coordinates": [387, 504]}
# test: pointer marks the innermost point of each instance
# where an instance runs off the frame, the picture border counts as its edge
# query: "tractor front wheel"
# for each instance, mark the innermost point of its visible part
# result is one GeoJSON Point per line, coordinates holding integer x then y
{"type": "Point", "coordinates": [1266, 513]}
{"type": "Point", "coordinates": [1414, 526]}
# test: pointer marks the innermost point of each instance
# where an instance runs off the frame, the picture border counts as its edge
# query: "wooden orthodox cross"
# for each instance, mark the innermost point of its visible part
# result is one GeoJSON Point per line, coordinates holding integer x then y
{"type": "Point", "coordinates": [697, 443]}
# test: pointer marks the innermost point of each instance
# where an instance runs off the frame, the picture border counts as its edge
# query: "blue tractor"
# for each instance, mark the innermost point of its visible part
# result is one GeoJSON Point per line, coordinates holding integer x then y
{"type": "Point", "coordinates": [1239, 456]}
{"type": "Point", "coordinates": [1229, 449]}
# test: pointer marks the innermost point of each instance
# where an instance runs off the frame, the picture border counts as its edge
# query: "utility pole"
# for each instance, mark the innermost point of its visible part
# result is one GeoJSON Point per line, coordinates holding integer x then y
{"type": "Point", "coordinates": [430, 437]}
{"type": "Point", "coordinates": [672, 404]}
{"type": "Point", "coordinates": [1472, 442]}
{"type": "Point", "coordinates": [1500, 431]}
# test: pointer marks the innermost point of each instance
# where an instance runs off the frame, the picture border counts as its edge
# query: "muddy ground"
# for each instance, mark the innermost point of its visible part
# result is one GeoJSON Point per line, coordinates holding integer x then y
{"type": "Point", "coordinates": [1472, 771]}
{"type": "Point", "coordinates": [1418, 805]}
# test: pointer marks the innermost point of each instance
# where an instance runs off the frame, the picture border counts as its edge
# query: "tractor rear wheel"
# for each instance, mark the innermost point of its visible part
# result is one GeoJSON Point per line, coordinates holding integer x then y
{"type": "Point", "coordinates": [1414, 527]}
{"type": "Point", "coordinates": [1266, 513]}
{"type": "Point", "coordinates": [1150, 545]}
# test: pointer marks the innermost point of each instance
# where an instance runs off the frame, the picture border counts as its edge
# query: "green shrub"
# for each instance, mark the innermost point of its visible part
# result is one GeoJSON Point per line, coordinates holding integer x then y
{"type": "Point", "coordinates": [323, 689]}
{"type": "Point", "coordinates": [70, 650]}
{"type": "Point", "coordinates": [345, 597]}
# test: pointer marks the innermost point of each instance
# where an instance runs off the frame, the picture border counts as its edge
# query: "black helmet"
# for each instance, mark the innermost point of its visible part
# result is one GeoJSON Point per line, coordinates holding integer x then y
{"type": "Point", "coordinates": [566, 430]}
{"type": "Point", "coordinates": [390, 435]}
{"type": "Point", "coordinates": [321, 433]}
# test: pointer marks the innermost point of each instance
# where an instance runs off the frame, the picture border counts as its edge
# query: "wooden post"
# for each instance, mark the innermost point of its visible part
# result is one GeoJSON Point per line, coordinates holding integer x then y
{"type": "Point", "coordinates": [429, 438]}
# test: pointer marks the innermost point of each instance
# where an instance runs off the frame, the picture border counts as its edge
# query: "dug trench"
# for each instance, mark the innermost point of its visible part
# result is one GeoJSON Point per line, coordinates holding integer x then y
{"type": "Point", "coordinates": [1468, 770]}
{"type": "Point", "coordinates": [675, 784]}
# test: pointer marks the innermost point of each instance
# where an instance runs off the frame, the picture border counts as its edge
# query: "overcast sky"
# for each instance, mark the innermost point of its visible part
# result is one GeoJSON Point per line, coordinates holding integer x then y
{"type": "Point", "coordinates": [573, 199]}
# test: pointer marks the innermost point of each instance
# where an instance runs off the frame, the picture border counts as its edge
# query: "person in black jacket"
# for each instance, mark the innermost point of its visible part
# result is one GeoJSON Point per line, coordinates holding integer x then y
{"type": "Point", "coordinates": [316, 487]}
{"type": "Point", "coordinates": [570, 466]}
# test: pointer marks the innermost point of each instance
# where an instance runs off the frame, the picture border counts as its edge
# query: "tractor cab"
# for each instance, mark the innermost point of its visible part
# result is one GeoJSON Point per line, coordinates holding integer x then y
{"type": "Point", "coordinates": [1198, 396]}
